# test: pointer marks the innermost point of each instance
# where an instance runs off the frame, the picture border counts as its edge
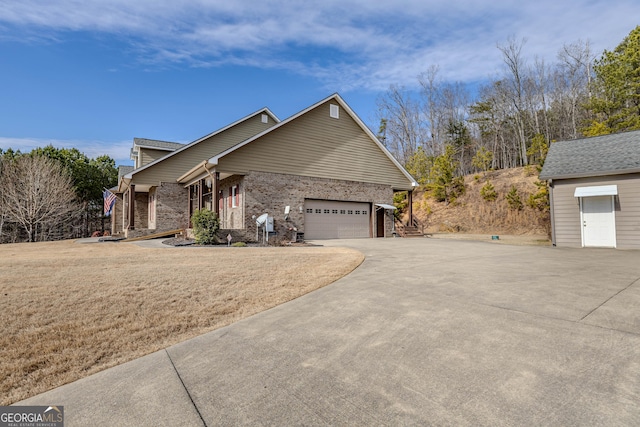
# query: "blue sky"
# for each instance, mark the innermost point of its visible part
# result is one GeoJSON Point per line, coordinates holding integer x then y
{"type": "Point", "coordinates": [94, 74]}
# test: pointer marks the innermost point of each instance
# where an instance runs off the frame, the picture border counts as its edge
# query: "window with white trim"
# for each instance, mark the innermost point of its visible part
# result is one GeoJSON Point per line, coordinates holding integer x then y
{"type": "Point", "coordinates": [234, 196]}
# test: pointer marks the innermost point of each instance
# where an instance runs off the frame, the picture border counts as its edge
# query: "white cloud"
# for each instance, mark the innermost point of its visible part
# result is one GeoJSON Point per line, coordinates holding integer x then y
{"type": "Point", "coordinates": [370, 44]}
{"type": "Point", "coordinates": [118, 150]}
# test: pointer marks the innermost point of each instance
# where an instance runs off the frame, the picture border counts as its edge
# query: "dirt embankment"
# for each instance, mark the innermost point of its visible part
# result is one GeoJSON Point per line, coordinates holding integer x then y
{"type": "Point", "coordinates": [473, 214]}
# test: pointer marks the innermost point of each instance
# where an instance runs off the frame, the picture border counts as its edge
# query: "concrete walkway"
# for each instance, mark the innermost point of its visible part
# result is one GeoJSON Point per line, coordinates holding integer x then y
{"type": "Point", "coordinates": [425, 332]}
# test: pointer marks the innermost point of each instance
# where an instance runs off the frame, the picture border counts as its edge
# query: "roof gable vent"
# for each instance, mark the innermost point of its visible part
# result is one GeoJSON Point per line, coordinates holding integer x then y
{"type": "Point", "coordinates": [334, 111]}
{"type": "Point", "coordinates": [265, 118]}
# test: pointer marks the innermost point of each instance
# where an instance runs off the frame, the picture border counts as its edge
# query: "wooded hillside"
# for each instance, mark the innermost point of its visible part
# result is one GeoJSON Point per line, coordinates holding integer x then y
{"type": "Point", "coordinates": [501, 202]}
{"type": "Point", "coordinates": [447, 130]}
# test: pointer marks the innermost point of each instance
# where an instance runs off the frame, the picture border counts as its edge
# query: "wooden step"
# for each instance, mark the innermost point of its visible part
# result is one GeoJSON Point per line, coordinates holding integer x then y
{"type": "Point", "coordinates": [155, 235]}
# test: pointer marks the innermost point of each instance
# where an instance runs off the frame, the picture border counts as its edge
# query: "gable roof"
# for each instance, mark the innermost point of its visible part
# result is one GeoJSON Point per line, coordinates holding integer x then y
{"type": "Point", "coordinates": [337, 98]}
{"type": "Point", "coordinates": [596, 156]}
{"type": "Point", "coordinates": [123, 170]}
{"type": "Point", "coordinates": [156, 145]}
{"type": "Point", "coordinates": [197, 141]}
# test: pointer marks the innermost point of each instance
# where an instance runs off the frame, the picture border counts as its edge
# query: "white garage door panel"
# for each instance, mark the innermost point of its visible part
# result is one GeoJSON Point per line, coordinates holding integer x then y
{"type": "Point", "coordinates": [325, 219]}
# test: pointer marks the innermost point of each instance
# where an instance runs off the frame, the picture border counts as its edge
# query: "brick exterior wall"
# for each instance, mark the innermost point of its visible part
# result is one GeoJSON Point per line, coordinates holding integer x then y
{"type": "Point", "coordinates": [141, 211]}
{"type": "Point", "coordinates": [171, 210]}
{"type": "Point", "coordinates": [232, 218]}
{"type": "Point", "coordinates": [172, 204]}
{"type": "Point", "coordinates": [260, 192]}
{"type": "Point", "coordinates": [116, 216]}
{"type": "Point", "coordinates": [269, 193]}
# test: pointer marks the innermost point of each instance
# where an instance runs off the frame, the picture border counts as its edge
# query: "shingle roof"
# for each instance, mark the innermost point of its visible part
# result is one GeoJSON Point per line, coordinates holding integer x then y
{"type": "Point", "coordinates": [123, 170]}
{"type": "Point", "coordinates": [153, 143]}
{"type": "Point", "coordinates": [596, 156]}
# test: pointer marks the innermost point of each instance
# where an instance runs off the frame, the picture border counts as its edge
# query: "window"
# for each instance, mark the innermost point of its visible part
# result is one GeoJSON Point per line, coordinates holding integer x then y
{"type": "Point", "coordinates": [318, 210]}
{"type": "Point", "coordinates": [327, 211]}
{"type": "Point", "coordinates": [234, 196]}
{"type": "Point", "coordinates": [334, 211]}
{"type": "Point", "coordinates": [194, 197]}
{"type": "Point", "coordinates": [342, 212]}
{"type": "Point", "coordinates": [357, 212]}
{"type": "Point", "coordinates": [334, 111]}
{"type": "Point", "coordinates": [364, 212]}
{"type": "Point", "coordinates": [350, 212]}
{"type": "Point", "coordinates": [207, 195]}
{"type": "Point", "coordinates": [309, 210]}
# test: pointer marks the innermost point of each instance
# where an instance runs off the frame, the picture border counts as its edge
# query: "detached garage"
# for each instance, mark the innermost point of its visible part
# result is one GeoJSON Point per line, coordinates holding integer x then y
{"type": "Point", "coordinates": [594, 190]}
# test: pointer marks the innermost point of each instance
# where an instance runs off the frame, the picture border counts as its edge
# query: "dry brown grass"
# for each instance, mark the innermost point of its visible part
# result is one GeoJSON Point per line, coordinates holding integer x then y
{"type": "Point", "coordinates": [472, 214]}
{"type": "Point", "coordinates": [69, 310]}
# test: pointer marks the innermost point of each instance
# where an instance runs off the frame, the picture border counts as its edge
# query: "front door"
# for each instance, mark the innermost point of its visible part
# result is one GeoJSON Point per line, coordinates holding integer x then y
{"type": "Point", "coordinates": [380, 222]}
{"type": "Point", "coordinates": [598, 222]}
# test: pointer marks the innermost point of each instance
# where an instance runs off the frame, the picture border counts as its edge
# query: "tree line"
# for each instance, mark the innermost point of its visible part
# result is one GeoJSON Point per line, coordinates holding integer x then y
{"type": "Point", "coordinates": [52, 194]}
{"type": "Point", "coordinates": [514, 117]}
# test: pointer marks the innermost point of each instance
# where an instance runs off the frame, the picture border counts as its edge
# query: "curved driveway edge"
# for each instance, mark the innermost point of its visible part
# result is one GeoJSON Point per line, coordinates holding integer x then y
{"type": "Point", "coordinates": [423, 332]}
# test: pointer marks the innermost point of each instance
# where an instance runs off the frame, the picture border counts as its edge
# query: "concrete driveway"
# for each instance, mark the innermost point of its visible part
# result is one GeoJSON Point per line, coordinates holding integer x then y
{"type": "Point", "coordinates": [425, 332]}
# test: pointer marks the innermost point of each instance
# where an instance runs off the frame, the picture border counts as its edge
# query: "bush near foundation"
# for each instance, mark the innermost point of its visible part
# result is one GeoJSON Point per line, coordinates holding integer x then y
{"type": "Point", "coordinates": [205, 226]}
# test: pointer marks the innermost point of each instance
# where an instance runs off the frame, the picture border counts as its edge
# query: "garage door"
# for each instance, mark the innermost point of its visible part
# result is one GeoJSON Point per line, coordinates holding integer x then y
{"type": "Point", "coordinates": [325, 219]}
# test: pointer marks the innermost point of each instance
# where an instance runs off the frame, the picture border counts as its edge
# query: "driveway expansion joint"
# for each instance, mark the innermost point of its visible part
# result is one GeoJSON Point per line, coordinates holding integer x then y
{"type": "Point", "coordinates": [185, 388]}
{"type": "Point", "coordinates": [610, 298]}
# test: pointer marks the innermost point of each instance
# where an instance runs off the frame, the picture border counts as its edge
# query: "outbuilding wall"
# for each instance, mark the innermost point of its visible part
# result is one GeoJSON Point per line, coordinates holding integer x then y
{"type": "Point", "coordinates": [566, 210]}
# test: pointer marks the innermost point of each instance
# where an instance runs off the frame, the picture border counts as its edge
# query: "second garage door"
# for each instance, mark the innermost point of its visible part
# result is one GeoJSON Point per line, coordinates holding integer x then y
{"type": "Point", "coordinates": [326, 219]}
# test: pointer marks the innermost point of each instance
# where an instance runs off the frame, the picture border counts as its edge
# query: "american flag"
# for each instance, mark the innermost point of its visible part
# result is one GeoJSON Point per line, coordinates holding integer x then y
{"type": "Point", "coordinates": [109, 201]}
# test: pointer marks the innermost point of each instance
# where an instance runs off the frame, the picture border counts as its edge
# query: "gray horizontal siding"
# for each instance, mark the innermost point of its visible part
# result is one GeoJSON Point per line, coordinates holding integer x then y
{"type": "Point", "coordinates": [173, 167]}
{"type": "Point", "coordinates": [566, 211]}
{"type": "Point", "coordinates": [317, 145]}
{"type": "Point", "coordinates": [627, 216]}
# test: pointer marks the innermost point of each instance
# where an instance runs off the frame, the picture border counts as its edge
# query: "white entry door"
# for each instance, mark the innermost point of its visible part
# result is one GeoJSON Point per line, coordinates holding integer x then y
{"type": "Point", "coordinates": [598, 222]}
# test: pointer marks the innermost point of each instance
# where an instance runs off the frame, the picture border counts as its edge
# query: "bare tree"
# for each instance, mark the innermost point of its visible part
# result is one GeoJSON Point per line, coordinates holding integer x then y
{"type": "Point", "coordinates": [432, 94]}
{"type": "Point", "coordinates": [2, 206]}
{"type": "Point", "coordinates": [573, 84]}
{"type": "Point", "coordinates": [515, 82]}
{"type": "Point", "coordinates": [403, 124]}
{"type": "Point", "coordinates": [37, 194]}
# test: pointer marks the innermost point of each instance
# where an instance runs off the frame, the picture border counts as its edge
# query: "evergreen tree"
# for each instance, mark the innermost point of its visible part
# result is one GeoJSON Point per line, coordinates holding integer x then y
{"type": "Point", "coordinates": [616, 101]}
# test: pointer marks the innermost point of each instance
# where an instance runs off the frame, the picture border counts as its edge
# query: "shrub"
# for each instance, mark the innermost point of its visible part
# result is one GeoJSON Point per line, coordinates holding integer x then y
{"type": "Point", "coordinates": [513, 199]}
{"type": "Point", "coordinates": [488, 192]}
{"type": "Point", "coordinates": [205, 226]}
{"type": "Point", "coordinates": [239, 245]}
{"type": "Point", "coordinates": [400, 201]}
{"type": "Point", "coordinates": [540, 199]}
{"type": "Point", "coordinates": [482, 160]}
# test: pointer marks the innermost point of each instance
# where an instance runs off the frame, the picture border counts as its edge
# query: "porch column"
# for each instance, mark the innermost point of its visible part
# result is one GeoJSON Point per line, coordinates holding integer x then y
{"type": "Point", "coordinates": [201, 194]}
{"type": "Point", "coordinates": [410, 206]}
{"type": "Point", "coordinates": [132, 200]}
{"type": "Point", "coordinates": [216, 193]}
{"type": "Point", "coordinates": [189, 206]}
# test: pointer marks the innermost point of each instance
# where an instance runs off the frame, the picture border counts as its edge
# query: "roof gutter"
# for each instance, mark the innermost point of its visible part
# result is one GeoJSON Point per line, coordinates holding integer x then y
{"type": "Point", "coordinates": [188, 176]}
{"type": "Point", "coordinates": [588, 175]}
